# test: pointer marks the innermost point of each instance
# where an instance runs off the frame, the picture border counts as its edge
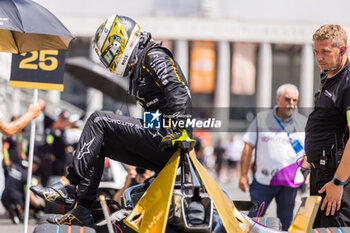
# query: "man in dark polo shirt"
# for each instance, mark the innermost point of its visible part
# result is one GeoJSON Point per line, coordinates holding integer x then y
{"type": "Point", "coordinates": [327, 131]}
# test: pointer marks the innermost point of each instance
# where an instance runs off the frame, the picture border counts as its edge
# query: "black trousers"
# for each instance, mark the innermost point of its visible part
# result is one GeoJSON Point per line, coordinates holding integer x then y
{"type": "Point", "coordinates": [341, 218]}
{"type": "Point", "coordinates": [117, 137]}
{"type": "Point", "coordinates": [11, 197]}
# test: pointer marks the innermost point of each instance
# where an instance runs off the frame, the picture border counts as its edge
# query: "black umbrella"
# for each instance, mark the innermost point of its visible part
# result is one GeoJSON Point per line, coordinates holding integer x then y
{"type": "Point", "coordinates": [95, 75]}
{"type": "Point", "coordinates": [27, 26]}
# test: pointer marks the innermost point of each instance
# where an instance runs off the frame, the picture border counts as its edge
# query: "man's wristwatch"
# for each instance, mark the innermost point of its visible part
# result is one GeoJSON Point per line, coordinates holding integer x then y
{"type": "Point", "coordinates": [337, 182]}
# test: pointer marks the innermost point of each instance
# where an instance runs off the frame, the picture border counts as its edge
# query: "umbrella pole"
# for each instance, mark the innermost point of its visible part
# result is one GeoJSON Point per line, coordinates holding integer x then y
{"type": "Point", "coordinates": [30, 164]}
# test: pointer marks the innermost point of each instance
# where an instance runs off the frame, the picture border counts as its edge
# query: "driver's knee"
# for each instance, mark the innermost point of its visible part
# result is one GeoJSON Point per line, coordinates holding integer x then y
{"type": "Point", "coordinates": [97, 118]}
{"type": "Point", "coordinates": [95, 115]}
{"type": "Point", "coordinates": [100, 116]}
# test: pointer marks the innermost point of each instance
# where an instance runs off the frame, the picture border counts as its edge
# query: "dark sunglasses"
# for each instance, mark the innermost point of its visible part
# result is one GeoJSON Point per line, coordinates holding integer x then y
{"type": "Point", "coordinates": [287, 99]}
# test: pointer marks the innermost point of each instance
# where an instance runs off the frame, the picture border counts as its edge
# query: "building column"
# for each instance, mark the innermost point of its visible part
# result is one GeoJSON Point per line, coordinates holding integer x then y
{"type": "Point", "coordinates": [264, 77]}
{"type": "Point", "coordinates": [16, 98]}
{"type": "Point", "coordinates": [54, 97]}
{"type": "Point", "coordinates": [181, 56]}
{"type": "Point", "coordinates": [306, 77]}
{"type": "Point", "coordinates": [94, 99]}
{"type": "Point", "coordinates": [222, 87]}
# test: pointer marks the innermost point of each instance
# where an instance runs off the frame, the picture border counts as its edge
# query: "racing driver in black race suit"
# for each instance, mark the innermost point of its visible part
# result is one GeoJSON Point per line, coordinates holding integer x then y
{"type": "Point", "coordinates": [157, 82]}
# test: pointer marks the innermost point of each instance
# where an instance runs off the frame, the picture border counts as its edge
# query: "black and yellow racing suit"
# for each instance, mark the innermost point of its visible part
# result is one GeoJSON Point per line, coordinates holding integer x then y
{"type": "Point", "coordinates": [159, 84]}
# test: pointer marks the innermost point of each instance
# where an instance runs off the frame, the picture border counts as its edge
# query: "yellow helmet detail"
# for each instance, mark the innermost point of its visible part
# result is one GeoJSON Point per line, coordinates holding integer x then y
{"type": "Point", "coordinates": [115, 41]}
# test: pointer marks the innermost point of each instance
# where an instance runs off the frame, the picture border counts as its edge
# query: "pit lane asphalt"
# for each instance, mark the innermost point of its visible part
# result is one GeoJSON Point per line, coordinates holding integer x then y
{"type": "Point", "coordinates": [6, 224]}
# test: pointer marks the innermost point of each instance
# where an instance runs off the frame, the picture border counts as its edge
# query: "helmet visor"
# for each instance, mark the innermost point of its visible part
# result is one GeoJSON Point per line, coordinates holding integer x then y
{"type": "Point", "coordinates": [109, 55]}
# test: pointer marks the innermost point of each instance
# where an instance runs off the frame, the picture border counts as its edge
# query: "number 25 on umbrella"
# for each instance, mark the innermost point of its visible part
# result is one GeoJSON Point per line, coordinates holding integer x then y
{"type": "Point", "coordinates": [42, 69]}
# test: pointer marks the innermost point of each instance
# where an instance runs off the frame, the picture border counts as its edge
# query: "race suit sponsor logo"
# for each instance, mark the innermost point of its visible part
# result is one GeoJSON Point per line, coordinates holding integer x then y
{"type": "Point", "coordinates": [125, 59]}
{"type": "Point", "coordinates": [117, 121]}
{"type": "Point", "coordinates": [85, 149]}
{"type": "Point", "coordinates": [155, 100]}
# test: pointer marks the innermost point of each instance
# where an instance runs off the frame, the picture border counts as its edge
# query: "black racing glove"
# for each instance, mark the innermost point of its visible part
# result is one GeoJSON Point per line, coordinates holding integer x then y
{"type": "Point", "coordinates": [166, 143]}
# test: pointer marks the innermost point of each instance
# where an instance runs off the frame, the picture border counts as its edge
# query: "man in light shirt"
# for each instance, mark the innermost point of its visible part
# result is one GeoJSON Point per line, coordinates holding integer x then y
{"type": "Point", "coordinates": [277, 136]}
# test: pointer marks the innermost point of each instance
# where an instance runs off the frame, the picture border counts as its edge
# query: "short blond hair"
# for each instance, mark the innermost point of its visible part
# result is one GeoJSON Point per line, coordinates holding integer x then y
{"type": "Point", "coordinates": [332, 32]}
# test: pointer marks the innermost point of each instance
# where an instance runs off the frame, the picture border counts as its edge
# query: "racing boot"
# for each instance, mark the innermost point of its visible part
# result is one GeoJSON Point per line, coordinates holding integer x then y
{"type": "Point", "coordinates": [61, 193]}
{"type": "Point", "coordinates": [80, 215]}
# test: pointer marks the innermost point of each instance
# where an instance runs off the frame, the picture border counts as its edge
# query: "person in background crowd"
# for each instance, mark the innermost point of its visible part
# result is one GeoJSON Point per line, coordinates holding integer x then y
{"type": "Point", "coordinates": [277, 136]}
{"type": "Point", "coordinates": [10, 128]}
{"type": "Point", "coordinates": [233, 153]}
{"type": "Point", "coordinates": [219, 151]}
{"type": "Point", "coordinates": [136, 175]}
{"type": "Point", "coordinates": [42, 146]}
{"type": "Point", "coordinates": [13, 127]}
{"type": "Point", "coordinates": [58, 146]}
{"type": "Point", "coordinates": [12, 149]}
{"type": "Point", "coordinates": [49, 143]}
{"type": "Point", "coordinates": [13, 196]}
{"type": "Point", "coordinates": [198, 148]}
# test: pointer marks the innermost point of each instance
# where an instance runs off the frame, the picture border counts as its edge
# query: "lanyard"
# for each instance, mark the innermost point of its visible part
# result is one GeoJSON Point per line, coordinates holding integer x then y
{"type": "Point", "coordinates": [295, 144]}
{"type": "Point", "coordinates": [280, 124]}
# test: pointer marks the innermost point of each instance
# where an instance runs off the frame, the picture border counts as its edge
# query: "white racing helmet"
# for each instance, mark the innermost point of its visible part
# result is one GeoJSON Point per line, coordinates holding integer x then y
{"type": "Point", "coordinates": [115, 41]}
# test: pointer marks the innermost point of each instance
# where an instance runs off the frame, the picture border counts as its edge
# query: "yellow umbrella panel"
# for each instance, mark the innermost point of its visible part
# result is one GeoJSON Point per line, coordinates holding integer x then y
{"type": "Point", "coordinates": [17, 42]}
{"type": "Point", "coordinates": [7, 42]}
